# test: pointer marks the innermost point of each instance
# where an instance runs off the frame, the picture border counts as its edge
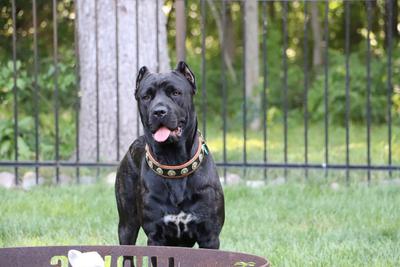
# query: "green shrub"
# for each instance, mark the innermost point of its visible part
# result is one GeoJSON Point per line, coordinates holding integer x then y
{"type": "Point", "coordinates": [357, 89]}
{"type": "Point", "coordinates": [67, 91]}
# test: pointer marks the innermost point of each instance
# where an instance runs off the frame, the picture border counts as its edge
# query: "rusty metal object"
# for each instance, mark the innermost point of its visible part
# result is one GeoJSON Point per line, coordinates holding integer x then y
{"type": "Point", "coordinates": [113, 255]}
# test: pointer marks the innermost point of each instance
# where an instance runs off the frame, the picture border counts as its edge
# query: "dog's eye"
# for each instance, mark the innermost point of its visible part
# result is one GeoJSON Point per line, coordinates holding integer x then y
{"type": "Point", "coordinates": [176, 93]}
{"type": "Point", "coordinates": [146, 97]}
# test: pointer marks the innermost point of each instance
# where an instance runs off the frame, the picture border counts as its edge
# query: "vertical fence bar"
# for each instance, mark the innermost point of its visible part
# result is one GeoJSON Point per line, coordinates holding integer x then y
{"type": "Point", "coordinates": [77, 103]}
{"type": "Point", "coordinates": [326, 86]}
{"type": "Point", "coordinates": [244, 89]}
{"type": "Point", "coordinates": [368, 104]}
{"type": "Point", "coordinates": [223, 77]}
{"type": "Point", "coordinates": [305, 71]}
{"type": "Point", "coordinates": [35, 88]}
{"type": "Point", "coordinates": [56, 100]}
{"type": "Point", "coordinates": [117, 74]}
{"type": "Point", "coordinates": [137, 63]}
{"type": "Point", "coordinates": [347, 52]}
{"type": "Point", "coordinates": [157, 36]}
{"type": "Point", "coordinates": [265, 86]}
{"type": "Point", "coordinates": [15, 87]}
{"type": "Point", "coordinates": [285, 85]}
{"type": "Point", "coordinates": [389, 17]}
{"type": "Point", "coordinates": [96, 10]}
{"type": "Point", "coordinates": [203, 66]}
{"type": "Point", "coordinates": [285, 103]}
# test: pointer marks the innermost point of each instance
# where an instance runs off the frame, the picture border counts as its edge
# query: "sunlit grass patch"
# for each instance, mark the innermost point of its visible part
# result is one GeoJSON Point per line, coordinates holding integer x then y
{"type": "Point", "coordinates": [316, 144]}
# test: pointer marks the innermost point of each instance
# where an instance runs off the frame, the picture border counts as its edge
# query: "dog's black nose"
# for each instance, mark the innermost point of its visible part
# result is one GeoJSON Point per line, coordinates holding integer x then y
{"type": "Point", "coordinates": [160, 112]}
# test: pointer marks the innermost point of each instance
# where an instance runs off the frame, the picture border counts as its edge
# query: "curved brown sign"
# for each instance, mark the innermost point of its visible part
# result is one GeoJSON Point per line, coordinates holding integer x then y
{"type": "Point", "coordinates": [142, 256]}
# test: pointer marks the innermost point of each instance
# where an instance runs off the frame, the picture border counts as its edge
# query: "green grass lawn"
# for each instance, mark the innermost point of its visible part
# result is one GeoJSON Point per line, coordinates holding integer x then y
{"type": "Point", "coordinates": [292, 225]}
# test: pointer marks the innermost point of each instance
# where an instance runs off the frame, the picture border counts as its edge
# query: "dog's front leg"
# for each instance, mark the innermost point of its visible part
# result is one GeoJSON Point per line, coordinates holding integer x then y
{"type": "Point", "coordinates": [128, 229]}
{"type": "Point", "coordinates": [129, 225]}
{"type": "Point", "coordinates": [211, 242]}
{"type": "Point", "coordinates": [126, 195]}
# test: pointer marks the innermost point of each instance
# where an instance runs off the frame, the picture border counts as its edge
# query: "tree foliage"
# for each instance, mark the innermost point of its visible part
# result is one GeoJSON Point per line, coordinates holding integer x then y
{"type": "Point", "coordinates": [296, 59]}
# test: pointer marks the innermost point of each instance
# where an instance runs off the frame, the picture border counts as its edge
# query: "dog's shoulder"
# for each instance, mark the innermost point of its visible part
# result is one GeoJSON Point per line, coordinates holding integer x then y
{"type": "Point", "coordinates": [133, 157]}
{"type": "Point", "coordinates": [137, 150]}
{"type": "Point", "coordinates": [138, 146]}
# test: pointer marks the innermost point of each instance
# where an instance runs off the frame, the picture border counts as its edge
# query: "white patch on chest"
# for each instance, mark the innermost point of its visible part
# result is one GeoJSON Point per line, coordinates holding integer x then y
{"type": "Point", "coordinates": [177, 219]}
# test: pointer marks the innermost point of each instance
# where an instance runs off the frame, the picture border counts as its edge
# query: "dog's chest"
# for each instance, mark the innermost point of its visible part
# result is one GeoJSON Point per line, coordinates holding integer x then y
{"type": "Point", "coordinates": [174, 218]}
{"type": "Point", "coordinates": [179, 223]}
{"type": "Point", "coordinates": [175, 210]}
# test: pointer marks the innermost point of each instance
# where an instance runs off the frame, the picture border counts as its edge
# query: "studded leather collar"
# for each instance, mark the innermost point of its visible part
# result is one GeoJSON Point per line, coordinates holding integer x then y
{"type": "Point", "coordinates": [178, 171]}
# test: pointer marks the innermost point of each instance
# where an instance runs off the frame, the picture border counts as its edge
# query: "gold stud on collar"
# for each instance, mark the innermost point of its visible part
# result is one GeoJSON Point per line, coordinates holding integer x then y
{"type": "Point", "coordinates": [171, 173]}
{"type": "Point", "coordinates": [194, 165]}
{"type": "Point", "coordinates": [159, 170]}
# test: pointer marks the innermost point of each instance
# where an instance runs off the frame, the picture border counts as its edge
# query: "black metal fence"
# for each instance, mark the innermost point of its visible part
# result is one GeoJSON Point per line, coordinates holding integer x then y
{"type": "Point", "coordinates": [262, 156]}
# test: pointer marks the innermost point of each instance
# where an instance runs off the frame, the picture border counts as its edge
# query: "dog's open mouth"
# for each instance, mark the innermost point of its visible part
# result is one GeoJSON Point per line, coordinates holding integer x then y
{"type": "Point", "coordinates": [162, 134]}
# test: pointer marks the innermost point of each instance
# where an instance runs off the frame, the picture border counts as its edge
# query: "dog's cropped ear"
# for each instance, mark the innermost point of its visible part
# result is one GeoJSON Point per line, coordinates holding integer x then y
{"type": "Point", "coordinates": [142, 72]}
{"type": "Point", "coordinates": [183, 68]}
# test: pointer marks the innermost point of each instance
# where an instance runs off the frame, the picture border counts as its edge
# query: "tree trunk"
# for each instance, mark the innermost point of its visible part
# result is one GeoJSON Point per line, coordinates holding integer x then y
{"type": "Point", "coordinates": [251, 48]}
{"type": "Point", "coordinates": [229, 28]}
{"type": "Point", "coordinates": [396, 32]}
{"type": "Point", "coordinates": [180, 38]}
{"type": "Point", "coordinates": [391, 6]}
{"type": "Point", "coordinates": [221, 29]}
{"type": "Point", "coordinates": [112, 70]}
{"type": "Point", "coordinates": [317, 36]}
{"type": "Point", "coordinates": [272, 9]}
{"type": "Point", "coordinates": [251, 58]}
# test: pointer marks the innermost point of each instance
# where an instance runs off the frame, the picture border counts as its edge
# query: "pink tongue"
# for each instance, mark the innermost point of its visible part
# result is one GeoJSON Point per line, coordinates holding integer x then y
{"type": "Point", "coordinates": [162, 134]}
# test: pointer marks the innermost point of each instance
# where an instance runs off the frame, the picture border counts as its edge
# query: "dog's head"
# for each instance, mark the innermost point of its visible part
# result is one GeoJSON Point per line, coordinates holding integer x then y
{"type": "Point", "coordinates": [166, 103]}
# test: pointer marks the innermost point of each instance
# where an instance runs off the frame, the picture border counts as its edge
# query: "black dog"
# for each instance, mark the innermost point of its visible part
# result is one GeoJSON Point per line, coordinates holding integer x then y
{"type": "Point", "coordinates": [167, 183]}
